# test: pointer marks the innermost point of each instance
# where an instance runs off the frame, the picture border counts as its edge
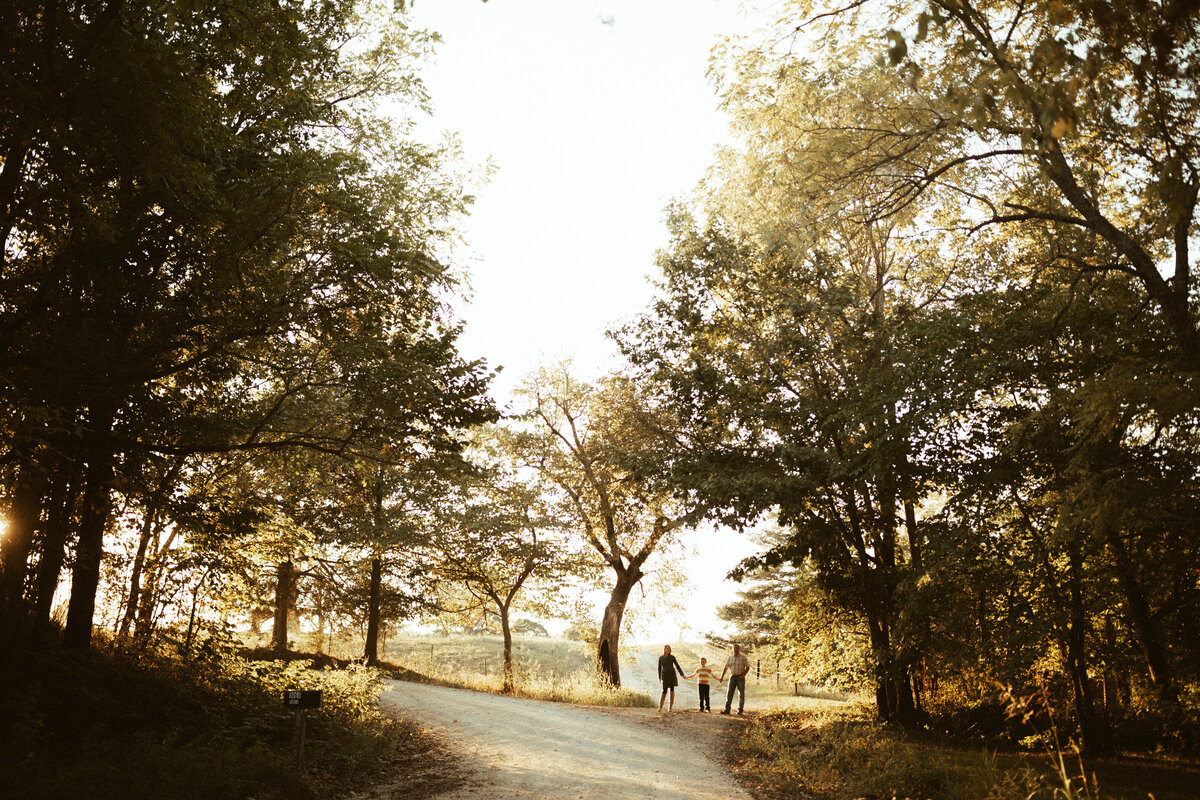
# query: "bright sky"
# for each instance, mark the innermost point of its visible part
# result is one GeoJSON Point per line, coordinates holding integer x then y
{"type": "Point", "coordinates": [596, 115]}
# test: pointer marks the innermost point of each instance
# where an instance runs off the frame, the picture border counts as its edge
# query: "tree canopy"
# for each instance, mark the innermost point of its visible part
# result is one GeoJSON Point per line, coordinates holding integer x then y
{"type": "Point", "coordinates": [936, 316]}
{"type": "Point", "coordinates": [217, 237]}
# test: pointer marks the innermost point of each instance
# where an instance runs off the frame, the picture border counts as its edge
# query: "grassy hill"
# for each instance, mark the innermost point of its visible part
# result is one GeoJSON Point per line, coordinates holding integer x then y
{"type": "Point", "coordinates": [477, 660]}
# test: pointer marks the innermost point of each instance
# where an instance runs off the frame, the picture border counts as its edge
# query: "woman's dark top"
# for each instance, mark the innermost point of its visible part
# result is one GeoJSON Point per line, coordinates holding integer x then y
{"type": "Point", "coordinates": [666, 674]}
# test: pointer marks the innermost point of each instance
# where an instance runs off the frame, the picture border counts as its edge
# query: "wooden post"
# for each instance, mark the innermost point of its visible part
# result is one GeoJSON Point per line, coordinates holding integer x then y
{"type": "Point", "coordinates": [301, 700]}
{"type": "Point", "coordinates": [431, 660]}
{"type": "Point", "coordinates": [301, 724]}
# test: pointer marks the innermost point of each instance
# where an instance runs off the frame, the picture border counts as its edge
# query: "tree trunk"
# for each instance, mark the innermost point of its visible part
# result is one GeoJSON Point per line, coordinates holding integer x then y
{"type": "Point", "coordinates": [97, 504]}
{"type": "Point", "coordinates": [509, 685]}
{"type": "Point", "coordinates": [1091, 732]}
{"type": "Point", "coordinates": [284, 589]}
{"type": "Point", "coordinates": [893, 689]}
{"type": "Point", "coordinates": [1137, 611]}
{"type": "Point", "coordinates": [147, 598]}
{"type": "Point", "coordinates": [135, 577]}
{"type": "Point", "coordinates": [371, 649]}
{"type": "Point", "coordinates": [153, 504]}
{"type": "Point", "coordinates": [197, 593]}
{"type": "Point", "coordinates": [60, 508]}
{"type": "Point", "coordinates": [149, 590]}
{"type": "Point", "coordinates": [17, 544]}
{"type": "Point", "coordinates": [610, 625]}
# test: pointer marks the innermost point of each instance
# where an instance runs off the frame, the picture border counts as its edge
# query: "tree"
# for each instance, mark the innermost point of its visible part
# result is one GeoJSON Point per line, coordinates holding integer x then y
{"type": "Point", "coordinates": [601, 446]}
{"type": "Point", "coordinates": [379, 515]}
{"type": "Point", "coordinates": [800, 384]}
{"type": "Point", "coordinates": [190, 271]}
{"type": "Point", "coordinates": [498, 539]}
{"type": "Point", "coordinates": [1025, 112]}
{"type": "Point", "coordinates": [902, 291]}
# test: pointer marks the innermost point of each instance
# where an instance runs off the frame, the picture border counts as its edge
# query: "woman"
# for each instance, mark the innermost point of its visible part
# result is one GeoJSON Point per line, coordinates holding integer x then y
{"type": "Point", "coordinates": [667, 665]}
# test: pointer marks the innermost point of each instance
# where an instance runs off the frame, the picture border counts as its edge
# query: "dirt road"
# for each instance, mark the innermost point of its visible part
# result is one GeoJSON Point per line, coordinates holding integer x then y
{"type": "Point", "coordinates": [533, 750]}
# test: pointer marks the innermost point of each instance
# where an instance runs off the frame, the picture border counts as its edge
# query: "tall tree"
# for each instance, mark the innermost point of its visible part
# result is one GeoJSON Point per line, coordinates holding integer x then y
{"type": "Point", "coordinates": [601, 445]}
{"type": "Point", "coordinates": [197, 211]}
{"type": "Point", "coordinates": [1077, 116]}
{"type": "Point", "coordinates": [498, 541]}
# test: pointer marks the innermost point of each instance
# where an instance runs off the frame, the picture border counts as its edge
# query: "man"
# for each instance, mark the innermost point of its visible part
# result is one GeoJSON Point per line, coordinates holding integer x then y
{"type": "Point", "coordinates": [738, 665]}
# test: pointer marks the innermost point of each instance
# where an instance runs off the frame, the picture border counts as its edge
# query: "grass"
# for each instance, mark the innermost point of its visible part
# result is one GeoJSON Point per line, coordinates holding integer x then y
{"type": "Point", "coordinates": [839, 752]}
{"type": "Point", "coordinates": [128, 724]}
{"type": "Point", "coordinates": [582, 687]}
{"type": "Point", "coordinates": [557, 669]}
{"type": "Point", "coordinates": [546, 669]}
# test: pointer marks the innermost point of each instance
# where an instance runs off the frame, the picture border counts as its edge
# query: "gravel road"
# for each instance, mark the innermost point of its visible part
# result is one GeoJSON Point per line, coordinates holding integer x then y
{"type": "Point", "coordinates": [534, 750]}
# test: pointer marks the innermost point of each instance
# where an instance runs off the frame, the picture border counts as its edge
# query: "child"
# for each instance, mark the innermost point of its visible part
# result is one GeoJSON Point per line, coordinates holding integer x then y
{"type": "Point", "coordinates": [703, 676]}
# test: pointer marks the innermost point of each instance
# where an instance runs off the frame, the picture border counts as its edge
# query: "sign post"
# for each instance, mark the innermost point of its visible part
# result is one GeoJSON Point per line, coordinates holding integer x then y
{"type": "Point", "coordinates": [301, 700]}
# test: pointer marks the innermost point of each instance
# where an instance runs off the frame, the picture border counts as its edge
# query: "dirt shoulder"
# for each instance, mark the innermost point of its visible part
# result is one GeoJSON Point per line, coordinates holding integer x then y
{"type": "Point", "coordinates": [712, 732]}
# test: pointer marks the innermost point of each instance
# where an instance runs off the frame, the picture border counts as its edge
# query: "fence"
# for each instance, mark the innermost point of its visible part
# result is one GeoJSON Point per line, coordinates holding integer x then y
{"type": "Point", "coordinates": [765, 669]}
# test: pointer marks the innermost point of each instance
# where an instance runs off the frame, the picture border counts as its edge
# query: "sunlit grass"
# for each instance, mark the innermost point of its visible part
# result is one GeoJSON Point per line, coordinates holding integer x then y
{"type": "Point", "coordinates": [841, 752]}
{"type": "Point", "coordinates": [583, 687]}
{"type": "Point", "coordinates": [544, 669]}
{"type": "Point", "coordinates": [140, 723]}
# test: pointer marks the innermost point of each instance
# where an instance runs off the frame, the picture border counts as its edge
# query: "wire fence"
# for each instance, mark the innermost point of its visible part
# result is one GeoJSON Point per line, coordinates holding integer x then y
{"type": "Point", "coordinates": [765, 668]}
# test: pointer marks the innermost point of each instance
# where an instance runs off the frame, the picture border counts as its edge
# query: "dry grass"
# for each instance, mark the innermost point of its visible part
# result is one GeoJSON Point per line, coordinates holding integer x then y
{"type": "Point", "coordinates": [546, 669]}
{"type": "Point", "coordinates": [841, 753]}
{"type": "Point", "coordinates": [582, 687]}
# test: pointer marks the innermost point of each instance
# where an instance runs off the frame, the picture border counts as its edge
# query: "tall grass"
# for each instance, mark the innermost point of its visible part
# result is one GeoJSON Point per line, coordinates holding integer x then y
{"type": "Point", "coordinates": [842, 753]}
{"type": "Point", "coordinates": [134, 724]}
{"type": "Point", "coordinates": [582, 687]}
{"type": "Point", "coordinates": [838, 753]}
{"type": "Point", "coordinates": [544, 669]}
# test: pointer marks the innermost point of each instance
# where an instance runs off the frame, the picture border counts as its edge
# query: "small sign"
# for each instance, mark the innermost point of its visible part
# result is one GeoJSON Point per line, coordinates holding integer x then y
{"type": "Point", "coordinates": [302, 698]}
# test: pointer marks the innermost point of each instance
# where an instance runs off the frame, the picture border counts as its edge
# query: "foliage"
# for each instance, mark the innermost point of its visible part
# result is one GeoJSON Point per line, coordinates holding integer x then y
{"type": "Point", "coordinates": [529, 627]}
{"type": "Point", "coordinates": [498, 543]}
{"type": "Point", "coordinates": [838, 752]}
{"type": "Point", "coordinates": [226, 242]}
{"type": "Point", "coordinates": [604, 448]}
{"type": "Point", "coordinates": [921, 320]}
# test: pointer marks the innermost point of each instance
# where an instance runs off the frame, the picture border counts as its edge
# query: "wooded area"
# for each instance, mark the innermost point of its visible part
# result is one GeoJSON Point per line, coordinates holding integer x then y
{"type": "Point", "coordinates": [935, 321]}
{"type": "Point", "coordinates": [939, 318]}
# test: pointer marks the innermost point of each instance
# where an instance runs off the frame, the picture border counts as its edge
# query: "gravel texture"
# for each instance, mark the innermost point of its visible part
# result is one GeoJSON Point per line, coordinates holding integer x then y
{"type": "Point", "coordinates": [507, 747]}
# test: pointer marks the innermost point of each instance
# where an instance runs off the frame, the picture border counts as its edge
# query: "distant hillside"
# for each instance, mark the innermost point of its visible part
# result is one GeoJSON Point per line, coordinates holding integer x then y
{"type": "Point", "coordinates": [535, 656]}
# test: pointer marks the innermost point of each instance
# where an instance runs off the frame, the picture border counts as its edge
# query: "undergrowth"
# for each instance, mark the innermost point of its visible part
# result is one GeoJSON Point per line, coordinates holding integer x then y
{"type": "Point", "coordinates": [844, 753]}
{"type": "Point", "coordinates": [134, 724]}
